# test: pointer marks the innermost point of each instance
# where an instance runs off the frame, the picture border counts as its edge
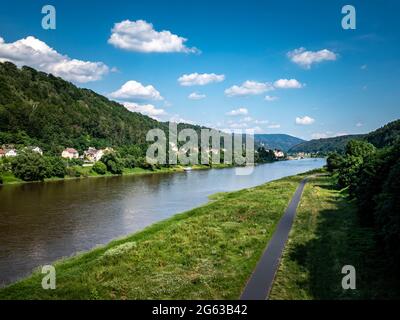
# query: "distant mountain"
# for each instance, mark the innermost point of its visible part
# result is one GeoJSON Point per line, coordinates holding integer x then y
{"type": "Point", "coordinates": [380, 138]}
{"type": "Point", "coordinates": [276, 141]}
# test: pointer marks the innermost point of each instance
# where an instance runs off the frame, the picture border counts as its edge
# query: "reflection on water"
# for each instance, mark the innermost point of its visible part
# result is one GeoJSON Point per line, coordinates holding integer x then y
{"type": "Point", "coordinates": [42, 222]}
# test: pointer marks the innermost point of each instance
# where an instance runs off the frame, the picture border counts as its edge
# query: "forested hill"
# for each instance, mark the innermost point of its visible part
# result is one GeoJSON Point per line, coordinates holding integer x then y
{"type": "Point", "coordinates": [325, 145]}
{"type": "Point", "coordinates": [276, 141]}
{"type": "Point", "coordinates": [39, 109]}
{"type": "Point", "coordinates": [381, 137]}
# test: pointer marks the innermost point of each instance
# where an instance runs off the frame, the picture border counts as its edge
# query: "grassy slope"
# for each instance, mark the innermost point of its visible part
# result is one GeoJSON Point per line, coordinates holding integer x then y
{"type": "Point", "coordinates": [325, 237]}
{"type": "Point", "coordinates": [206, 253]}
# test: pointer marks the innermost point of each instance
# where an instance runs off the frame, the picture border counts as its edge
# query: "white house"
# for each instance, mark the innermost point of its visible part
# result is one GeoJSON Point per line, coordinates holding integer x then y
{"type": "Point", "coordinates": [93, 155]}
{"type": "Point", "coordinates": [11, 153]}
{"type": "Point", "coordinates": [70, 153]}
{"type": "Point", "coordinates": [279, 154]}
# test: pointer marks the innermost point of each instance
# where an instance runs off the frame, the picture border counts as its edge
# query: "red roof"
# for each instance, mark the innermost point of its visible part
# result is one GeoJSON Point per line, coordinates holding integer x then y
{"type": "Point", "coordinates": [2, 151]}
{"type": "Point", "coordinates": [71, 150]}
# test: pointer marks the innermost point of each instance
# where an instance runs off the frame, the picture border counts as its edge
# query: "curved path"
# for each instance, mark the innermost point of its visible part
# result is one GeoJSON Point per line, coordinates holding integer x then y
{"type": "Point", "coordinates": [260, 282]}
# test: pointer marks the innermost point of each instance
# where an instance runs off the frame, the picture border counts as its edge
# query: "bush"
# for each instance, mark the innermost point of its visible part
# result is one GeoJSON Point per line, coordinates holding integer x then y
{"type": "Point", "coordinates": [113, 163]}
{"type": "Point", "coordinates": [55, 167]}
{"type": "Point", "coordinates": [1, 179]}
{"type": "Point", "coordinates": [72, 172]}
{"type": "Point", "coordinates": [29, 166]}
{"type": "Point", "coordinates": [334, 162]}
{"type": "Point", "coordinates": [99, 167]}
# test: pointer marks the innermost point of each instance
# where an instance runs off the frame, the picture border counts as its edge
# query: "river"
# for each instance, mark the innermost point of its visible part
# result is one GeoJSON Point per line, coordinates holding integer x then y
{"type": "Point", "coordinates": [42, 222]}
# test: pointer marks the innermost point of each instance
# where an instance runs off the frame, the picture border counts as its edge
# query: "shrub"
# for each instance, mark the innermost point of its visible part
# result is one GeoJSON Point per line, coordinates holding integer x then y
{"type": "Point", "coordinates": [113, 163]}
{"type": "Point", "coordinates": [99, 167]}
{"type": "Point", "coordinates": [29, 166]}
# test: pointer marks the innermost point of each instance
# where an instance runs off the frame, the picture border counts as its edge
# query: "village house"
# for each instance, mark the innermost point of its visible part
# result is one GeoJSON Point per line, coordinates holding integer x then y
{"type": "Point", "coordinates": [93, 155]}
{"type": "Point", "coordinates": [70, 153]}
{"type": "Point", "coordinates": [35, 149]}
{"type": "Point", "coordinates": [11, 153]}
{"type": "Point", "coordinates": [2, 153]}
{"type": "Point", "coordinates": [279, 154]}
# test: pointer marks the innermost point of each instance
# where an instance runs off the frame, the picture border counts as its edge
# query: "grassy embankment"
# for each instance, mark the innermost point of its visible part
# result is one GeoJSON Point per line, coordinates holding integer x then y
{"type": "Point", "coordinates": [205, 253]}
{"type": "Point", "coordinates": [326, 236]}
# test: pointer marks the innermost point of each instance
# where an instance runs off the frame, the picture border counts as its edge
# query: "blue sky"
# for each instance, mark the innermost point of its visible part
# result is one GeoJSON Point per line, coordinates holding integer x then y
{"type": "Point", "coordinates": [350, 85]}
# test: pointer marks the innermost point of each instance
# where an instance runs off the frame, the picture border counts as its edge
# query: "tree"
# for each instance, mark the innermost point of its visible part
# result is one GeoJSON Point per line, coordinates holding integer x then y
{"type": "Point", "coordinates": [99, 167]}
{"type": "Point", "coordinates": [29, 166]}
{"type": "Point", "coordinates": [113, 163]}
{"type": "Point", "coordinates": [334, 161]}
{"type": "Point", "coordinates": [55, 167]}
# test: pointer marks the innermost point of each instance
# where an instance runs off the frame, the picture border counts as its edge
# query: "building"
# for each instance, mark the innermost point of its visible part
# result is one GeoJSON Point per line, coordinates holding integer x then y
{"type": "Point", "coordinates": [35, 149]}
{"type": "Point", "coordinates": [70, 153]}
{"type": "Point", "coordinates": [279, 154]}
{"type": "Point", "coordinates": [11, 153]}
{"type": "Point", "coordinates": [2, 153]}
{"type": "Point", "coordinates": [93, 155]}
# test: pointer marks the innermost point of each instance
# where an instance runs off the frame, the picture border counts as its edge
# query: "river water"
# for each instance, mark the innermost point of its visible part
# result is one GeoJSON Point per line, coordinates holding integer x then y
{"type": "Point", "coordinates": [42, 222]}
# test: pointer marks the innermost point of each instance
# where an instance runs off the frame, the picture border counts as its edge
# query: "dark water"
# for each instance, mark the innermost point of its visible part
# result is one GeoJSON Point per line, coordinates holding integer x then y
{"type": "Point", "coordinates": [42, 222]}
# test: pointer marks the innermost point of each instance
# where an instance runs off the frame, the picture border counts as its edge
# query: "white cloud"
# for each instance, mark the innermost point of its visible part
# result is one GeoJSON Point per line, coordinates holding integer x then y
{"type": "Point", "coordinates": [196, 79]}
{"type": "Point", "coordinates": [240, 125]}
{"type": "Point", "coordinates": [37, 54]}
{"type": "Point", "coordinates": [178, 119]}
{"type": "Point", "coordinates": [306, 58]}
{"type": "Point", "coordinates": [246, 119]}
{"type": "Point", "coordinates": [287, 84]}
{"type": "Point", "coordinates": [274, 126]}
{"type": "Point", "coordinates": [146, 109]}
{"type": "Point", "coordinates": [135, 90]}
{"type": "Point", "coordinates": [261, 121]}
{"type": "Point", "coordinates": [140, 36]}
{"type": "Point", "coordinates": [359, 124]}
{"type": "Point", "coordinates": [306, 120]}
{"type": "Point", "coordinates": [271, 98]}
{"type": "Point", "coordinates": [249, 87]}
{"type": "Point", "coordinates": [196, 96]}
{"type": "Point", "coordinates": [238, 112]}
{"type": "Point", "coordinates": [319, 135]}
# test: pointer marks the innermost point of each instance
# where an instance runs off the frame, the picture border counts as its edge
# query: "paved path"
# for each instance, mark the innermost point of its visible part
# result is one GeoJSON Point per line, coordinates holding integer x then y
{"type": "Point", "coordinates": [260, 282]}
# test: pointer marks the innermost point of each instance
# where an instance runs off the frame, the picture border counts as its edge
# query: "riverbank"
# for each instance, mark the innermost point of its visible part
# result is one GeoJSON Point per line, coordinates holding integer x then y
{"type": "Point", "coordinates": [86, 172]}
{"type": "Point", "coordinates": [326, 236]}
{"type": "Point", "coordinates": [205, 253]}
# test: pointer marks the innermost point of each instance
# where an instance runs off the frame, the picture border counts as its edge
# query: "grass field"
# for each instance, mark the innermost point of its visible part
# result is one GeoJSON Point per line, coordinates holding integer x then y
{"type": "Point", "coordinates": [206, 253]}
{"type": "Point", "coordinates": [326, 236]}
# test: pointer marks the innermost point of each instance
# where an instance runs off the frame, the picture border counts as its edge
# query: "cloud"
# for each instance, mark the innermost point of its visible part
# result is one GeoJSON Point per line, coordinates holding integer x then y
{"type": "Point", "coordinates": [140, 36]}
{"type": "Point", "coordinates": [287, 84]}
{"type": "Point", "coordinates": [319, 135]}
{"type": "Point", "coordinates": [261, 121]}
{"type": "Point", "coordinates": [146, 109]}
{"type": "Point", "coordinates": [177, 119]}
{"type": "Point", "coordinates": [37, 54]}
{"type": "Point", "coordinates": [271, 98]}
{"type": "Point", "coordinates": [196, 96]}
{"type": "Point", "coordinates": [359, 124]}
{"type": "Point", "coordinates": [305, 58]}
{"type": "Point", "coordinates": [238, 112]}
{"type": "Point", "coordinates": [133, 90]}
{"type": "Point", "coordinates": [306, 120]}
{"type": "Point", "coordinates": [246, 119]}
{"type": "Point", "coordinates": [249, 87]}
{"type": "Point", "coordinates": [274, 126]}
{"type": "Point", "coordinates": [196, 79]}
